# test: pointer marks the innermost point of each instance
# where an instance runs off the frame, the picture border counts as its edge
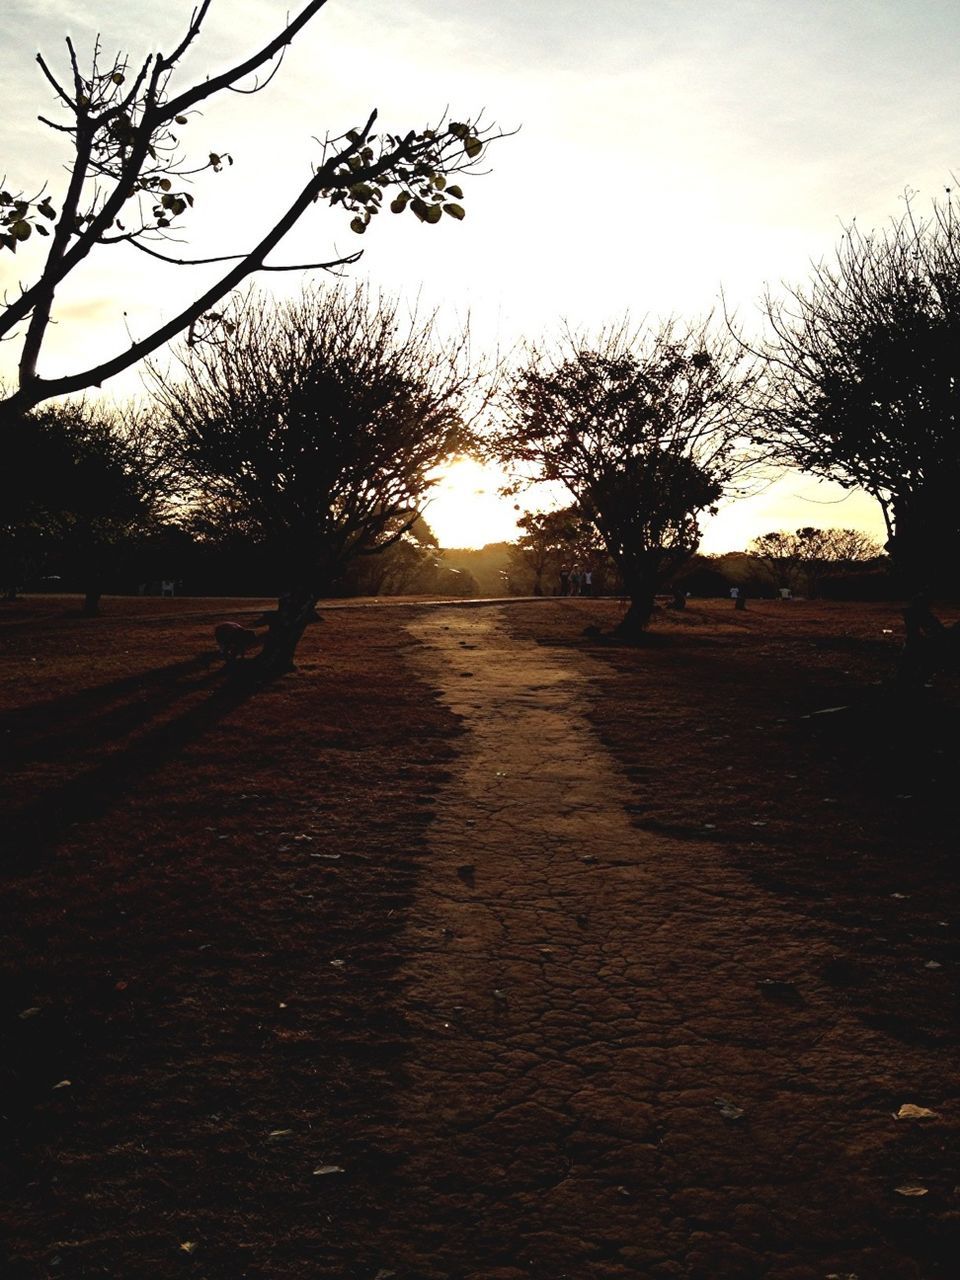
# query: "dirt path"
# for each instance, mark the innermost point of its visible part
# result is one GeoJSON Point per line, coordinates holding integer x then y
{"type": "Point", "coordinates": [624, 1061]}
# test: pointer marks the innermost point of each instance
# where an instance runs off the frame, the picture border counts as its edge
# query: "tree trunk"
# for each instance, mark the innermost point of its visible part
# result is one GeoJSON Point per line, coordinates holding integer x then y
{"type": "Point", "coordinates": [295, 610]}
{"type": "Point", "coordinates": [635, 621]}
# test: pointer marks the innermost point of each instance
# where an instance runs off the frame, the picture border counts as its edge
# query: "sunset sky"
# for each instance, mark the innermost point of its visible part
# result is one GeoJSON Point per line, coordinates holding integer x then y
{"type": "Point", "coordinates": [666, 150]}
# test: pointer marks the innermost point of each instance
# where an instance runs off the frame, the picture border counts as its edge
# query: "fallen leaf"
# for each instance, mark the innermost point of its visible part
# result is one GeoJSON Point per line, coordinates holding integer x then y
{"type": "Point", "coordinates": [279, 1133]}
{"type": "Point", "coordinates": [909, 1111]}
{"type": "Point", "coordinates": [323, 1169]}
{"type": "Point", "coordinates": [729, 1110]}
{"type": "Point", "coordinates": [911, 1189]}
{"type": "Point", "coordinates": [64, 1084]}
{"type": "Point", "coordinates": [933, 964]}
{"type": "Point", "coordinates": [29, 1013]}
{"type": "Point", "coordinates": [189, 1246]}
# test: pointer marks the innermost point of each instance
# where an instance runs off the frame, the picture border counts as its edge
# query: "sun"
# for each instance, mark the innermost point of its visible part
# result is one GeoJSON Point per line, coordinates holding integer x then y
{"type": "Point", "coordinates": [465, 507]}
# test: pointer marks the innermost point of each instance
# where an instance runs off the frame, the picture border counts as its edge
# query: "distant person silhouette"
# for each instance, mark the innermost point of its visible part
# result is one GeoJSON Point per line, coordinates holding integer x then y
{"type": "Point", "coordinates": [564, 582]}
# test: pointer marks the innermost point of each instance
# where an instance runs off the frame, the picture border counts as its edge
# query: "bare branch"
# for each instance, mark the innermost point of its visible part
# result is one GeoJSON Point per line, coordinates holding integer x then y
{"type": "Point", "coordinates": [177, 106]}
{"type": "Point", "coordinates": [236, 257]}
{"type": "Point", "coordinates": [258, 86]}
{"type": "Point", "coordinates": [196, 21]}
{"type": "Point", "coordinates": [57, 87]}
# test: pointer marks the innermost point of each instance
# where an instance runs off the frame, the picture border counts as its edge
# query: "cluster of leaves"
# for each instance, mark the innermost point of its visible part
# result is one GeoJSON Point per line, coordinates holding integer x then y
{"type": "Point", "coordinates": [420, 173]}
{"type": "Point", "coordinates": [19, 218]}
{"type": "Point", "coordinates": [109, 118]}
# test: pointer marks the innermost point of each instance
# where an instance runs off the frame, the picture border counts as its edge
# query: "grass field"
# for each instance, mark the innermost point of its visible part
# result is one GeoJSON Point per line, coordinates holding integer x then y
{"type": "Point", "coordinates": [206, 887]}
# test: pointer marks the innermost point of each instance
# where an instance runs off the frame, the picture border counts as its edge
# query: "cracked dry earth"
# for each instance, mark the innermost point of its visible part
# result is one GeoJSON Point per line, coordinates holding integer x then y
{"type": "Point", "coordinates": [611, 1073]}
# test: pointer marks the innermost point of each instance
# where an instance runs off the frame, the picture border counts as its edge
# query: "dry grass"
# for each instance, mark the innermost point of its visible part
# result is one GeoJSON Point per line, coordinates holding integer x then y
{"type": "Point", "coordinates": [188, 863]}
{"type": "Point", "coordinates": [205, 890]}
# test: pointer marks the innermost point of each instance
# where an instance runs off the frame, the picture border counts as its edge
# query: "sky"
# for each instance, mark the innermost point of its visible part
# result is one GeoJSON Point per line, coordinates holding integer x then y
{"type": "Point", "coordinates": [666, 151]}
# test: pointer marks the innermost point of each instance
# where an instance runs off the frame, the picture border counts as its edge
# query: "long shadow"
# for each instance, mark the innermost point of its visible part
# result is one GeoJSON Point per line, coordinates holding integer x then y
{"type": "Point", "coordinates": [40, 731]}
{"type": "Point", "coordinates": [34, 831]}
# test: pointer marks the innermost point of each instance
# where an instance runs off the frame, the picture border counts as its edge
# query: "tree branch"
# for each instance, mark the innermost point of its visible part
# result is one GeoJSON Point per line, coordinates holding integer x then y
{"type": "Point", "coordinates": [236, 257]}
{"type": "Point", "coordinates": [177, 106]}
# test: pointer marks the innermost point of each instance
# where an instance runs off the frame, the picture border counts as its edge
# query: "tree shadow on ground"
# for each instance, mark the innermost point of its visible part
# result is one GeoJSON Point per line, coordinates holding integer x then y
{"type": "Point", "coordinates": [78, 721]}
{"type": "Point", "coordinates": [34, 830]}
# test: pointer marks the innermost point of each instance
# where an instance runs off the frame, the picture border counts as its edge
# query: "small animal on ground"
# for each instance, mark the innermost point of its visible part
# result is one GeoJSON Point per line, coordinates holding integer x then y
{"type": "Point", "coordinates": [234, 640]}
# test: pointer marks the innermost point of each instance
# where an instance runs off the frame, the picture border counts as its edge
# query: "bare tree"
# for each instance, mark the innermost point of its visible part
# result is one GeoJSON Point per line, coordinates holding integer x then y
{"type": "Point", "coordinates": [863, 385]}
{"type": "Point", "coordinates": [128, 189]}
{"type": "Point", "coordinates": [314, 430]}
{"type": "Point", "coordinates": [645, 429]}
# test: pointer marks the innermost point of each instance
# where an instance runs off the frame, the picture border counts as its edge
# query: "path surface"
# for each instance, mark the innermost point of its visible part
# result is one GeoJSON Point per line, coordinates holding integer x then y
{"type": "Point", "coordinates": [593, 1007]}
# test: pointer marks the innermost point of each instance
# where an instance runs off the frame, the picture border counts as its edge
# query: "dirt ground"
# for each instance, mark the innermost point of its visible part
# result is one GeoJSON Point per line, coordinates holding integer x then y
{"type": "Point", "coordinates": [480, 948]}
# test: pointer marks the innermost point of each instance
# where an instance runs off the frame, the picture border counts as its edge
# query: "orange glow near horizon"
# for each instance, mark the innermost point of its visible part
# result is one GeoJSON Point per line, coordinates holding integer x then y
{"type": "Point", "coordinates": [466, 508]}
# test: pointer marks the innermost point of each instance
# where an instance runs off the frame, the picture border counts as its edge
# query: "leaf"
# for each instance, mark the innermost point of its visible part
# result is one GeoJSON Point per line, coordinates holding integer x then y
{"type": "Point", "coordinates": [358, 225]}
{"type": "Point", "coordinates": [456, 192]}
{"type": "Point", "coordinates": [189, 1246]}
{"type": "Point", "coordinates": [398, 204]}
{"type": "Point", "coordinates": [911, 1189]}
{"type": "Point", "coordinates": [433, 215]}
{"type": "Point", "coordinates": [180, 119]}
{"type": "Point", "coordinates": [910, 1111]}
{"type": "Point", "coordinates": [21, 230]}
{"type": "Point", "coordinates": [455, 211]}
{"type": "Point", "coordinates": [729, 1110]}
{"type": "Point", "coordinates": [63, 1084]}
{"type": "Point", "coordinates": [29, 1013]}
{"type": "Point", "coordinates": [117, 78]}
{"type": "Point", "coordinates": [472, 146]}
{"type": "Point", "coordinates": [322, 1170]}
{"type": "Point", "coordinates": [274, 1134]}
{"type": "Point", "coordinates": [420, 208]}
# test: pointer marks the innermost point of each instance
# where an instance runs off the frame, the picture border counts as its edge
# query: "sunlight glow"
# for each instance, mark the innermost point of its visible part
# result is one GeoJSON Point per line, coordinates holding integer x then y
{"type": "Point", "coordinates": [466, 508]}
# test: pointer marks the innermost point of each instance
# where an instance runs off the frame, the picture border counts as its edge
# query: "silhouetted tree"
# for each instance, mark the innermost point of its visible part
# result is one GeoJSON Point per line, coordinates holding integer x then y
{"type": "Point", "coordinates": [128, 186]}
{"type": "Point", "coordinates": [549, 539]}
{"type": "Point", "coordinates": [645, 429]}
{"type": "Point", "coordinates": [313, 432]}
{"type": "Point", "coordinates": [863, 383]}
{"type": "Point", "coordinates": [801, 559]}
{"type": "Point", "coordinates": [84, 486]}
{"type": "Point", "coordinates": [408, 566]}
